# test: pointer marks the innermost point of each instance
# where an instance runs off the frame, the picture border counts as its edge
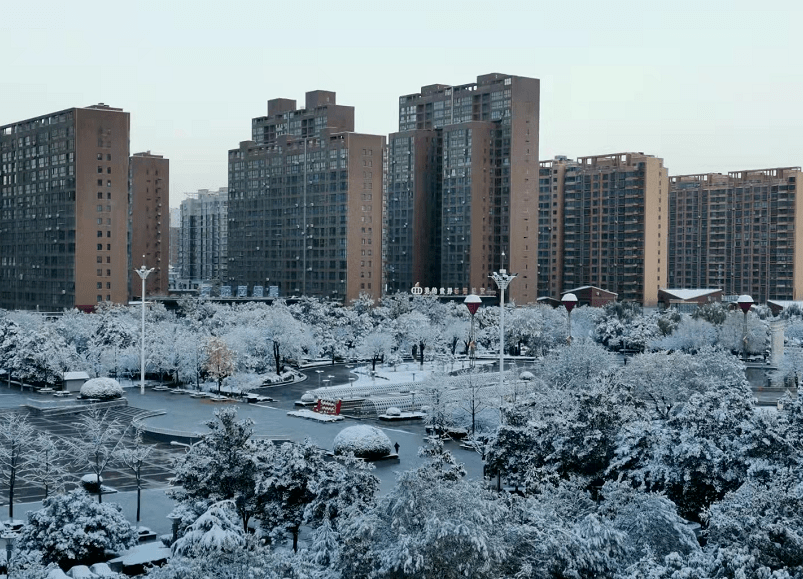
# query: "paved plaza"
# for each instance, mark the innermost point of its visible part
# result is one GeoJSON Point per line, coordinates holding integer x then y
{"type": "Point", "coordinates": [187, 415]}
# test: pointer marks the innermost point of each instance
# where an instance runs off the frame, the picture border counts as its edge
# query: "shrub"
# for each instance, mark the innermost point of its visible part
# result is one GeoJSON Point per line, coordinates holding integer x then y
{"type": "Point", "coordinates": [73, 529]}
{"type": "Point", "coordinates": [364, 441]}
{"type": "Point", "coordinates": [102, 388]}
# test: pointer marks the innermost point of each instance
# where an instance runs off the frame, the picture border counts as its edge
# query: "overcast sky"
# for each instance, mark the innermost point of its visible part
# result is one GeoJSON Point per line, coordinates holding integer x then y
{"type": "Point", "coordinates": [707, 85]}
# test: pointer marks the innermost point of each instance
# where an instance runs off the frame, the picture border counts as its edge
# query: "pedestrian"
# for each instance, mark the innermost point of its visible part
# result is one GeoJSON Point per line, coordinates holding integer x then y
{"type": "Point", "coordinates": [396, 446]}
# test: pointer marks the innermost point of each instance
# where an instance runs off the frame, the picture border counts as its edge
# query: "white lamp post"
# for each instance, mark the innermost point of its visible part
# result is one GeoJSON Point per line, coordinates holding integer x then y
{"type": "Point", "coordinates": [502, 279]}
{"type": "Point", "coordinates": [143, 274]}
{"type": "Point", "coordinates": [472, 302]}
{"type": "Point", "coordinates": [569, 301]}
{"type": "Point", "coordinates": [745, 303]}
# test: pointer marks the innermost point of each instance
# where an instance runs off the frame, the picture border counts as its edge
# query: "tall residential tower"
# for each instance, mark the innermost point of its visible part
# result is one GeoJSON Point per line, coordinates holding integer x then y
{"type": "Point", "coordinates": [463, 185]}
{"type": "Point", "coordinates": [305, 202]}
{"type": "Point", "coordinates": [64, 209]}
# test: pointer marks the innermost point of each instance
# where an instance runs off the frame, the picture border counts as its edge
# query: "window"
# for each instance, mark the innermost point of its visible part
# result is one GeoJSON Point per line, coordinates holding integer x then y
{"type": "Point", "coordinates": [100, 220]}
{"type": "Point", "coordinates": [108, 285]}
{"type": "Point", "coordinates": [100, 182]}
{"type": "Point", "coordinates": [100, 285]}
{"type": "Point", "coordinates": [108, 298]}
{"type": "Point", "coordinates": [100, 169]}
{"type": "Point", "coordinates": [108, 156]}
{"type": "Point", "coordinates": [100, 194]}
{"type": "Point", "coordinates": [108, 247]}
{"type": "Point", "coordinates": [100, 298]}
{"type": "Point", "coordinates": [100, 247]}
{"type": "Point", "coordinates": [109, 195]}
{"type": "Point", "coordinates": [100, 273]}
{"type": "Point", "coordinates": [108, 273]}
{"type": "Point", "coordinates": [100, 234]}
{"type": "Point", "coordinates": [109, 170]}
{"type": "Point", "coordinates": [108, 233]}
{"type": "Point", "coordinates": [100, 156]}
{"type": "Point", "coordinates": [108, 183]}
{"type": "Point", "coordinates": [108, 259]}
{"type": "Point", "coordinates": [100, 259]}
{"type": "Point", "coordinates": [100, 207]}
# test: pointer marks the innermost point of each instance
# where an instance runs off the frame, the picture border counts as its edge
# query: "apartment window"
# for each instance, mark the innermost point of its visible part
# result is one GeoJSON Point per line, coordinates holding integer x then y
{"type": "Point", "coordinates": [100, 169]}
{"type": "Point", "coordinates": [108, 170]}
{"type": "Point", "coordinates": [100, 247]}
{"type": "Point", "coordinates": [100, 285]}
{"type": "Point", "coordinates": [100, 298]}
{"type": "Point", "coordinates": [108, 234]}
{"type": "Point", "coordinates": [100, 194]}
{"type": "Point", "coordinates": [108, 259]}
{"type": "Point", "coordinates": [100, 207]}
{"type": "Point", "coordinates": [108, 273]}
{"type": "Point", "coordinates": [108, 156]}
{"type": "Point", "coordinates": [108, 183]}
{"type": "Point", "coordinates": [100, 182]}
{"type": "Point", "coordinates": [100, 156]}
{"type": "Point", "coordinates": [108, 298]}
{"type": "Point", "coordinates": [108, 285]}
{"type": "Point", "coordinates": [100, 234]}
{"type": "Point", "coordinates": [100, 273]}
{"type": "Point", "coordinates": [100, 259]}
{"type": "Point", "coordinates": [108, 247]}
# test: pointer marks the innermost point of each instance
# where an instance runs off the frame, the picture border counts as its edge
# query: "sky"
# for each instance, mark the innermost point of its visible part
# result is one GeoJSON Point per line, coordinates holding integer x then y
{"type": "Point", "coordinates": [707, 85]}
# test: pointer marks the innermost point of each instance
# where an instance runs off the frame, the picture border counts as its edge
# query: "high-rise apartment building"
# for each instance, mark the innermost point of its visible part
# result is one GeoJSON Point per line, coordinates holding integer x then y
{"type": "Point", "coordinates": [305, 202]}
{"type": "Point", "coordinates": [64, 209]}
{"type": "Point", "coordinates": [175, 236]}
{"type": "Point", "coordinates": [203, 255]}
{"type": "Point", "coordinates": [149, 203]}
{"type": "Point", "coordinates": [603, 222]}
{"type": "Point", "coordinates": [462, 186]}
{"type": "Point", "coordinates": [741, 232]}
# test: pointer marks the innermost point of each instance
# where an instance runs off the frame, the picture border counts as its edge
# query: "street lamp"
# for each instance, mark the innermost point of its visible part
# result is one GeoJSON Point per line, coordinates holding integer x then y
{"type": "Point", "coordinates": [569, 301]}
{"type": "Point", "coordinates": [9, 537]}
{"type": "Point", "coordinates": [502, 279]}
{"type": "Point", "coordinates": [143, 273]}
{"type": "Point", "coordinates": [472, 302]}
{"type": "Point", "coordinates": [319, 372]}
{"type": "Point", "coordinates": [745, 302]}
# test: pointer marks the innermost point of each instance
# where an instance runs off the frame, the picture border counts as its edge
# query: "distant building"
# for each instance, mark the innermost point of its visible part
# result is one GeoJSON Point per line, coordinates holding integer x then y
{"type": "Point", "coordinates": [594, 297]}
{"type": "Point", "coordinates": [462, 186]}
{"type": "Point", "coordinates": [64, 209]}
{"type": "Point", "coordinates": [175, 235]}
{"type": "Point", "coordinates": [602, 221]}
{"type": "Point", "coordinates": [305, 202]}
{"type": "Point", "coordinates": [742, 232]}
{"type": "Point", "coordinates": [203, 255]}
{"type": "Point", "coordinates": [669, 297]}
{"type": "Point", "coordinates": [149, 205]}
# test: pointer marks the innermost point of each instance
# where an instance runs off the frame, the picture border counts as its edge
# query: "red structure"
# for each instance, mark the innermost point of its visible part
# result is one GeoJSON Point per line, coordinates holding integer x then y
{"type": "Point", "coordinates": [328, 407]}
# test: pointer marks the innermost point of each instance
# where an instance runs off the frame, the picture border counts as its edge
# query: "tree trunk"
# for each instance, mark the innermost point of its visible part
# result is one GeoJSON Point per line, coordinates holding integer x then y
{"type": "Point", "coordinates": [11, 481]}
{"type": "Point", "coordinates": [421, 347]}
{"type": "Point", "coordinates": [373, 363]}
{"type": "Point", "coordinates": [295, 539]}
{"type": "Point", "coordinates": [276, 357]}
{"type": "Point", "coordinates": [219, 384]}
{"type": "Point", "coordinates": [139, 499]}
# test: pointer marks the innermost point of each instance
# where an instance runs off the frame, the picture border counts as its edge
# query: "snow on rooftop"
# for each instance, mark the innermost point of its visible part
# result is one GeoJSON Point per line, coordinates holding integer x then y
{"type": "Point", "coordinates": [689, 294]}
{"type": "Point", "coordinates": [76, 376]}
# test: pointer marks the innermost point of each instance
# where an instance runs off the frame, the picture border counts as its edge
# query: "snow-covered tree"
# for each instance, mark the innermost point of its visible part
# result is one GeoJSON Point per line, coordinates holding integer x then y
{"type": "Point", "coordinates": [375, 346]}
{"type": "Point", "coordinates": [419, 332]}
{"type": "Point", "coordinates": [94, 446]}
{"type": "Point", "coordinates": [219, 361]}
{"type": "Point", "coordinates": [286, 487]}
{"type": "Point", "coordinates": [731, 333]}
{"type": "Point", "coordinates": [17, 436]}
{"type": "Point", "coordinates": [71, 529]}
{"type": "Point", "coordinates": [690, 335]}
{"type": "Point", "coordinates": [133, 457]}
{"type": "Point", "coordinates": [216, 532]}
{"type": "Point", "coordinates": [224, 465]}
{"type": "Point", "coordinates": [46, 469]}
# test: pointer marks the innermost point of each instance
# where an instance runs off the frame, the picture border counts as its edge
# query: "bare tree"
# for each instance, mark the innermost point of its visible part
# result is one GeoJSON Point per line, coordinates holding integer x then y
{"type": "Point", "coordinates": [16, 437]}
{"type": "Point", "coordinates": [219, 360]}
{"type": "Point", "coordinates": [133, 457]}
{"type": "Point", "coordinates": [101, 437]}
{"type": "Point", "coordinates": [46, 463]}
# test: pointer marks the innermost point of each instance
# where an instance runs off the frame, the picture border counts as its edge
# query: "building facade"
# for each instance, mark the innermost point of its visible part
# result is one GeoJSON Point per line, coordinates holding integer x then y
{"type": "Point", "coordinates": [305, 203]}
{"type": "Point", "coordinates": [64, 209]}
{"type": "Point", "coordinates": [149, 220]}
{"type": "Point", "coordinates": [462, 186]}
{"type": "Point", "coordinates": [739, 232]}
{"type": "Point", "coordinates": [603, 222]}
{"type": "Point", "coordinates": [203, 256]}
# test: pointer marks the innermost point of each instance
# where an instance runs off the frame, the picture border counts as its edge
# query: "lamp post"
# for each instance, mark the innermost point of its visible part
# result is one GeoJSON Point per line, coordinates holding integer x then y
{"type": "Point", "coordinates": [502, 279]}
{"type": "Point", "coordinates": [143, 274]}
{"type": "Point", "coordinates": [319, 372]}
{"type": "Point", "coordinates": [745, 302]}
{"type": "Point", "coordinates": [472, 302]}
{"type": "Point", "coordinates": [569, 301]}
{"type": "Point", "coordinates": [9, 537]}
